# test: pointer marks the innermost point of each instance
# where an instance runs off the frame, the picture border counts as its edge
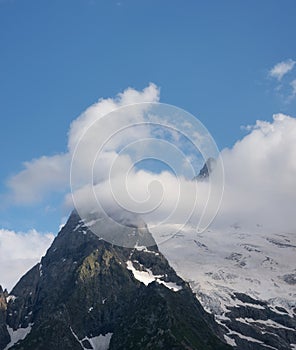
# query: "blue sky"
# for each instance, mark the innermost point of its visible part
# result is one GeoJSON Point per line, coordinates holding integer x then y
{"type": "Point", "coordinates": [211, 58]}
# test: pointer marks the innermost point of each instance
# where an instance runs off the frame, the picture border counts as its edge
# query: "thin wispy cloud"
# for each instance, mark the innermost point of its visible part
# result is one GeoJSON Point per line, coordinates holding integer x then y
{"type": "Point", "coordinates": [282, 68]}
{"type": "Point", "coordinates": [293, 85]}
{"type": "Point", "coordinates": [284, 75]}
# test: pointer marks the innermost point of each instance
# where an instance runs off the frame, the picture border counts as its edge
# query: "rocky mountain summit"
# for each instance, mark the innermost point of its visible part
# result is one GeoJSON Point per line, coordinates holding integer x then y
{"type": "Point", "coordinates": [89, 294]}
{"type": "Point", "coordinates": [206, 170]}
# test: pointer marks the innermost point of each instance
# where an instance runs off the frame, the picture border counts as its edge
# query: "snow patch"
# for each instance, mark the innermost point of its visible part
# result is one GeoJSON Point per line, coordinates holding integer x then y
{"type": "Point", "coordinates": [269, 323]}
{"type": "Point", "coordinates": [40, 270]}
{"type": "Point", "coordinates": [229, 340]}
{"type": "Point", "coordinates": [170, 285]}
{"type": "Point", "coordinates": [17, 335]}
{"type": "Point", "coordinates": [147, 277]}
{"type": "Point", "coordinates": [250, 339]}
{"type": "Point", "coordinates": [100, 342]}
{"type": "Point", "coordinates": [92, 222]}
{"type": "Point", "coordinates": [142, 248]}
{"type": "Point", "coordinates": [11, 298]}
{"type": "Point", "coordinates": [77, 227]}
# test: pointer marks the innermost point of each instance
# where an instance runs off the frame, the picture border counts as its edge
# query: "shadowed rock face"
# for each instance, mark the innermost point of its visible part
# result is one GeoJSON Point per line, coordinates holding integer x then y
{"type": "Point", "coordinates": [259, 323]}
{"type": "Point", "coordinates": [4, 335]}
{"type": "Point", "coordinates": [87, 292]}
{"type": "Point", "coordinates": [206, 170]}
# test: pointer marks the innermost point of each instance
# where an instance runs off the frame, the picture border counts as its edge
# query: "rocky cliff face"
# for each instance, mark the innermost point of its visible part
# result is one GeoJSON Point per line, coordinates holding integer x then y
{"type": "Point", "coordinates": [206, 170]}
{"type": "Point", "coordinates": [254, 325]}
{"type": "Point", "coordinates": [88, 294]}
{"type": "Point", "coordinates": [4, 335]}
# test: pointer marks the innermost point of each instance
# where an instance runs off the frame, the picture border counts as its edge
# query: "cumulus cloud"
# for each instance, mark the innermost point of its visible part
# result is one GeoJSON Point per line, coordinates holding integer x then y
{"type": "Point", "coordinates": [260, 173]}
{"type": "Point", "coordinates": [39, 177]}
{"type": "Point", "coordinates": [105, 106]}
{"type": "Point", "coordinates": [260, 169]}
{"type": "Point", "coordinates": [109, 150]}
{"type": "Point", "coordinates": [279, 70]}
{"type": "Point", "coordinates": [19, 251]}
{"type": "Point", "coordinates": [50, 174]}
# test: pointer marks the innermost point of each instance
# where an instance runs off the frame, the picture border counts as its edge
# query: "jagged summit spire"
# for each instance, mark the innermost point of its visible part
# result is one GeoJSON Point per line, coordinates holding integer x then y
{"type": "Point", "coordinates": [206, 170]}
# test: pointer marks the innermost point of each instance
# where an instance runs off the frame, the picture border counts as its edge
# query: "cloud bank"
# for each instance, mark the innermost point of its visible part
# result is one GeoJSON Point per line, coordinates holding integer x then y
{"type": "Point", "coordinates": [260, 169]}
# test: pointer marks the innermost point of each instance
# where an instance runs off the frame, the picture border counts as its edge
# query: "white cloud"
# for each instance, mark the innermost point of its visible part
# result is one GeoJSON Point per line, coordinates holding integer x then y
{"type": "Point", "coordinates": [158, 197]}
{"type": "Point", "coordinates": [154, 196]}
{"type": "Point", "coordinates": [39, 177]}
{"type": "Point", "coordinates": [105, 106]}
{"type": "Point", "coordinates": [281, 69]}
{"type": "Point", "coordinates": [19, 251]}
{"type": "Point", "coordinates": [51, 174]}
{"type": "Point", "coordinates": [260, 173]}
{"type": "Point", "coordinates": [293, 85]}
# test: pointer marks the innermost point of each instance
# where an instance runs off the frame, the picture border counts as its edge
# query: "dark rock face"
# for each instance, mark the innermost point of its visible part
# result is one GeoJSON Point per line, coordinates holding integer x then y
{"type": "Point", "coordinates": [253, 324]}
{"type": "Point", "coordinates": [4, 335]}
{"type": "Point", "coordinates": [206, 170]}
{"type": "Point", "coordinates": [290, 278]}
{"type": "Point", "coordinates": [86, 291]}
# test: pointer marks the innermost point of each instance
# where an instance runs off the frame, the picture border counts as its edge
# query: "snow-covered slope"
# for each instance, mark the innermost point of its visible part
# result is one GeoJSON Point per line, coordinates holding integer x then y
{"type": "Point", "coordinates": [232, 271]}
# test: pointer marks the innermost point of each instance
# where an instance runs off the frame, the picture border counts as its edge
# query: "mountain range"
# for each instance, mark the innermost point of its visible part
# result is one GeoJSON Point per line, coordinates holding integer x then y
{"type": "Point", "coordinates": [219, 289]}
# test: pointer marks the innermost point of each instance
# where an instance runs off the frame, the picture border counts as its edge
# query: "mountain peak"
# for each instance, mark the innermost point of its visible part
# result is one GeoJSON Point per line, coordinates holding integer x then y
{"type": "Point", "coordinates": [206, 170]}
{"type": "Point", "coordinates": [90, 294]}
{"type": "Point", "coordinates": [123, 229]}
